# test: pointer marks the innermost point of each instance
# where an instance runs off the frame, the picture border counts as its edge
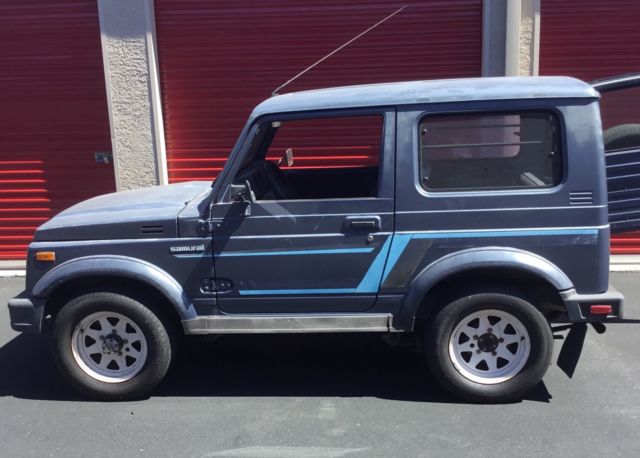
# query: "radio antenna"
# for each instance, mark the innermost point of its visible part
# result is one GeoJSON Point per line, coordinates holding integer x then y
{"type": "Point", "coordinates": [275, 92]}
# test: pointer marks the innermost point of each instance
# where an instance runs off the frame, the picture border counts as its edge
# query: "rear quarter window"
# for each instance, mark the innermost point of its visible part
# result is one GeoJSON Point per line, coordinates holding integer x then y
{"type": "Point", "coordinates": [480, 151]}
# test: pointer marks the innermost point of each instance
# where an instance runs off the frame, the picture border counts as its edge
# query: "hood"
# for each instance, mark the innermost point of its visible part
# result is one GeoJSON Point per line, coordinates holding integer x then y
{"type": "Point", "coordinates": [141, 213]}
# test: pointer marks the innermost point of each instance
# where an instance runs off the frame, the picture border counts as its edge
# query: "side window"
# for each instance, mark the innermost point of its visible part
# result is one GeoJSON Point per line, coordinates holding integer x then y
{"type": "Point", "coordinates": [510, 150]}
{"type": "Point", "coordinates": [319, 158]}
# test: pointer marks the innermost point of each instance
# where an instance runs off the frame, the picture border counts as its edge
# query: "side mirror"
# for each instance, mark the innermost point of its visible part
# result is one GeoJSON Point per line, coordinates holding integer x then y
{"type": "Point", "coordinates": [242, 193]}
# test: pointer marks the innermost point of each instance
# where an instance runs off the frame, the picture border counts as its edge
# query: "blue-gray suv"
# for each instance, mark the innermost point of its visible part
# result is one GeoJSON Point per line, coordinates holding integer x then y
{"type": "Point", "coordinates": [472, 214]}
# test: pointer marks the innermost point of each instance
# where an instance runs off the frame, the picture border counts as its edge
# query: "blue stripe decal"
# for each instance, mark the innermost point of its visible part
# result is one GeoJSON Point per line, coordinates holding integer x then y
{"type": "Point", "coordinates": [294, 252]}
{"type": "Point", "coordinates": [484, 234]}
{"type": "Point", "coordinates": [390, 252]}
{"type": "Point", "coordinates": [255, 292]}
{"type": "Point", "coordinates": [371, 281]}
{"type": "Point", "coordinates": [230, 254]}
{"type": "Point", "coordinates": [399, 243]}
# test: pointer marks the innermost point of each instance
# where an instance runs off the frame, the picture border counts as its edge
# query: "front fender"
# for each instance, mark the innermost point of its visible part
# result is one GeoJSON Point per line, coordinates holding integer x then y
{"type": "Point", "coordinates": [119, 266]}
{"type": "Point", "coordinates": [475, 259]}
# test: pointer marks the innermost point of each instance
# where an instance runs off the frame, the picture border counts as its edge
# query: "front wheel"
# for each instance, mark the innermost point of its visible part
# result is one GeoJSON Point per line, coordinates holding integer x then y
{"type": "Point", "coordinates": [110, 346]}
{"type": "Point", "coordinates": [489, 346]}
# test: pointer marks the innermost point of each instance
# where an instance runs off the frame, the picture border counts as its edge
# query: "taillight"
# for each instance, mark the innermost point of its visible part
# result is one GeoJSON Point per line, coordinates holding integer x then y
{"type": "Point", "coordinates": [600, 310]}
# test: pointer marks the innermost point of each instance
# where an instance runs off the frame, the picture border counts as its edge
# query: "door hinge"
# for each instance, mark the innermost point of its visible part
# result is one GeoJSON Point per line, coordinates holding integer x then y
{"type": "Point", "coordinates": [208, 227]}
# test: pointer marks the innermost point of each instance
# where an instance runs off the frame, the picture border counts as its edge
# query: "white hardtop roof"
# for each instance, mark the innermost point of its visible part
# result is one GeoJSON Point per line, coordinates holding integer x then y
{"type": "Point", "coordinates": [434, 91]}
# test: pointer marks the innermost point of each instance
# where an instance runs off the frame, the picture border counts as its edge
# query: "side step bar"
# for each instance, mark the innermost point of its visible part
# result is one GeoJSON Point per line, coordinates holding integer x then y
{"type": "Point", "coordinates": [268, 324]}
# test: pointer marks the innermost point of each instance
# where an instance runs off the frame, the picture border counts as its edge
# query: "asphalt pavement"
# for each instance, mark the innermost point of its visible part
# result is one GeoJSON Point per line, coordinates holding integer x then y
{"type": "Point", "coordinates": [321, 396]}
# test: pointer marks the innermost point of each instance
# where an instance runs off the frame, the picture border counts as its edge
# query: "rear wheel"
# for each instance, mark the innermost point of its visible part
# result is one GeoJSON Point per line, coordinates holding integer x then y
{"type": "Point", "coordinates": [489, 346]}
{"type": "Point", "coordinates": [110, 346]}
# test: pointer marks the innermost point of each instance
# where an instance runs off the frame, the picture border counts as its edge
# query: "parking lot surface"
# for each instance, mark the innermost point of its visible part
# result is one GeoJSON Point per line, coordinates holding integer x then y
{"type": "Point", "coordinates": [321, 396]}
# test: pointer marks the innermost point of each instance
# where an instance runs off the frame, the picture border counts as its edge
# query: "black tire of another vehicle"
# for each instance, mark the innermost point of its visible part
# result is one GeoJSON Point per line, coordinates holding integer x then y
{"type": "Point", "coordinates": [143, 324]}
{"type": "Point", "coordinates": [622, 136]}
{"type": "Point", "coordinates": [439, 343]}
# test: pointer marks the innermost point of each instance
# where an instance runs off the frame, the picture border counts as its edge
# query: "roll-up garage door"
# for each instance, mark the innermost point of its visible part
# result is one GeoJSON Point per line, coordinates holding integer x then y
{"type": "Point", "coordinates": [53, 114]}
{"type": "Point", "coordinates": [591, 39]}
{"type": "Point", "coordinates": [218, 59]}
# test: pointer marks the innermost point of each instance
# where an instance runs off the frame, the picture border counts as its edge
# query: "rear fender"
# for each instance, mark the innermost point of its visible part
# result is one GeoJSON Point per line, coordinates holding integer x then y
{"type": "Point", "coordinates": [475, 259]}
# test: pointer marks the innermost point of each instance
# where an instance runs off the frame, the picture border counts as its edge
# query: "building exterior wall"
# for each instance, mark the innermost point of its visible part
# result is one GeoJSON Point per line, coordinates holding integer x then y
{"type": "Point", "coordinates": [528, 60]}
{"type": "Point", "coordinates": [131, 73]}
{"type": "Point", "coordinates": [53, 115]}
{"type": "Point", "coordinates": [218, 60]}
{"type": "Point", "coordinates": [510, 45]}
{"type": "Point", "coordinates": [132, 90]}
{"type": "Point", "coordinates": [494, 23]}
{"type": "Point", "coordinates": [591, 40]}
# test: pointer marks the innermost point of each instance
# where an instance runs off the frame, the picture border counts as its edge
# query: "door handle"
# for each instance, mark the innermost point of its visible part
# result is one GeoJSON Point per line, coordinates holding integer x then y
{"type": "Point", "coordinates": [370, 223]}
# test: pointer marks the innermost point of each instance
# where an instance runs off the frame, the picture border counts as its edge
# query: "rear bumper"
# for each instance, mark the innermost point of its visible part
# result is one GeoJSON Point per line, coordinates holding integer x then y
{"type": "Point", "coordinates": [25, 315]}
{"type": "Point", "coordinates": [578, 305]}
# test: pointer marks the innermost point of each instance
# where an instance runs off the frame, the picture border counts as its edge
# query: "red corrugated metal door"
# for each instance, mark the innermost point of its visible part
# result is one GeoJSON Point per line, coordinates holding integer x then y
{"type": "Point", "coordinates": [53, 114]}
{"type": "Point", "coordinates": [592, 39]}
{"type": "Point", "coordinates": [218, 59]}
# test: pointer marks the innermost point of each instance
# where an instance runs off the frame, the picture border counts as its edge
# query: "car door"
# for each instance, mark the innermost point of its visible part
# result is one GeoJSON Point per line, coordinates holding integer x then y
{"type": "Point", "coordinates": [321, 246]}
{"type": "Point", "coordinates": [621, 136]}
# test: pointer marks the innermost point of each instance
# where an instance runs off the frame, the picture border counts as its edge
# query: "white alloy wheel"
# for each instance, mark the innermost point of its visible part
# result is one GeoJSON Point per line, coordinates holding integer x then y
{"type": "Point", "coordinates": [489, 346]}
{"type": "Point", "coordinates": [109, 347]}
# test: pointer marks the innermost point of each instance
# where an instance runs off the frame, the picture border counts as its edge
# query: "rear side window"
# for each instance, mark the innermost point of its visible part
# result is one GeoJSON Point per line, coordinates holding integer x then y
{"type": "Point", "coordinates": [510, 150]}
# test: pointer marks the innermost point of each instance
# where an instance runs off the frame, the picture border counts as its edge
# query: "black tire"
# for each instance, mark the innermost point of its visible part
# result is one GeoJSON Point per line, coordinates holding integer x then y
{"type": "Point", "coordinates": [157, 337]}
{"type": "Point", "coordinates": [440, 330]}
{"type": "Point", "coordinates": [622, 136]}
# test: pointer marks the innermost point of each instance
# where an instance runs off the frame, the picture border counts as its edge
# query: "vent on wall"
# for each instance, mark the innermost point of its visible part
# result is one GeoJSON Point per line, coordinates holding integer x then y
{"type": "Point", "coordinates": [581, 197]}
{"type": "Point", "coordinates": [152, 229]}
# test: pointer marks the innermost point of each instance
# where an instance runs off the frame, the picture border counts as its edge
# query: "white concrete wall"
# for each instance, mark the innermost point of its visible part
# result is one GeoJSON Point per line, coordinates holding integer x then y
{"type": "Point", "coordinates": [510, 37]}
{"type": "Point", "coordinates": [128, 48]}
{"type": "Point", "coordinates": [529, 56]}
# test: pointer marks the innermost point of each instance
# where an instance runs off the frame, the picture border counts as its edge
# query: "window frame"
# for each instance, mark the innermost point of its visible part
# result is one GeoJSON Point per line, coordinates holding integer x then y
{"type": "Point", "coordinates": [497, 110]}
{"type": "Point", "coordinates": [388, 116]}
